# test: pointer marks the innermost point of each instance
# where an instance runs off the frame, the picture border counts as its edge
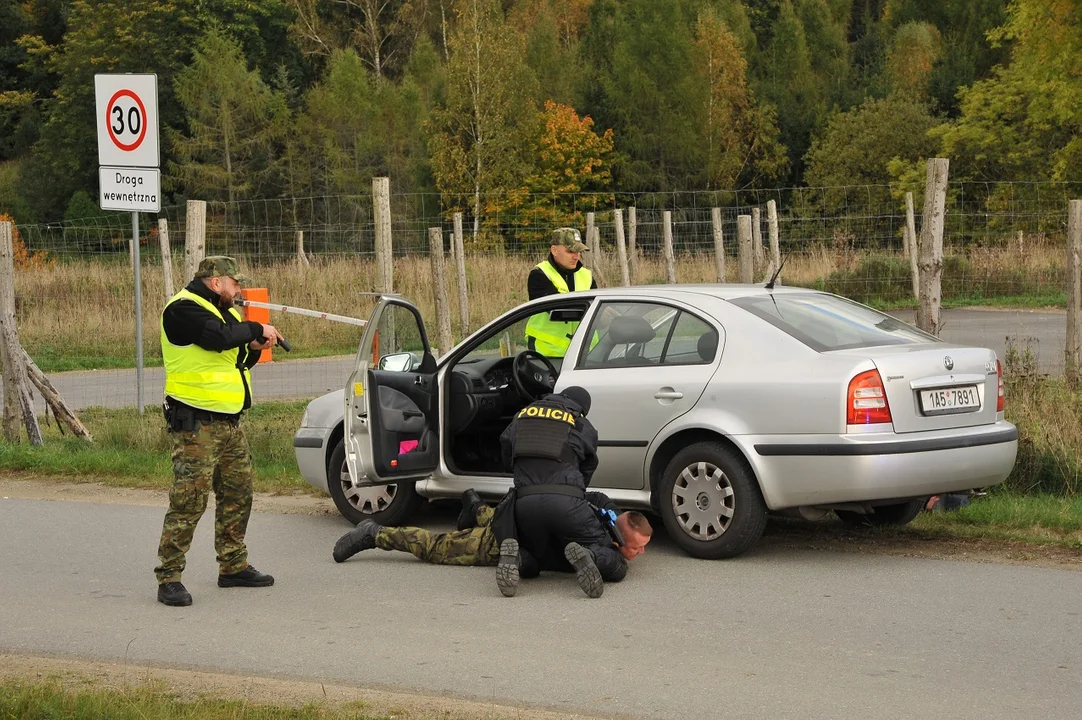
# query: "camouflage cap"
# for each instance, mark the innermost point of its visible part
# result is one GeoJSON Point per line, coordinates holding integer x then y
{"type": "Point", "coordinates": [569, 238]}
{"type": "Point", "coordinates": [219, 265]}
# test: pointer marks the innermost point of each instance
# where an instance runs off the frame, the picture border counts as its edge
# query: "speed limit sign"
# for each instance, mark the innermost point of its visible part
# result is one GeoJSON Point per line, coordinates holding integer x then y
{"type": "Point", "coordinates": [127, 120]}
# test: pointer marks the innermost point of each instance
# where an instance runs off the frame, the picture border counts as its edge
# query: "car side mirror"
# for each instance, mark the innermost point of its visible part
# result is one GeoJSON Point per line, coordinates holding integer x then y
{"type": "Point", "coordinates": [398, 362]}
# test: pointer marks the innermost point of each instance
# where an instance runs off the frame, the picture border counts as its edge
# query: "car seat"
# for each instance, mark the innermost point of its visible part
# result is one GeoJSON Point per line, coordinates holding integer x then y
{"type": "Point", "coordinates": [631, 331]}
{"type": "Point", "coordinates": [707, 345]}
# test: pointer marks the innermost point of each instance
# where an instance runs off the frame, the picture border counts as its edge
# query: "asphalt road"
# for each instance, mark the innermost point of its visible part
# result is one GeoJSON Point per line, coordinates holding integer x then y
{"type": "Point", "coordinates": [1044, 332]}
{"type": "Point", "coordinates": [777, 633]}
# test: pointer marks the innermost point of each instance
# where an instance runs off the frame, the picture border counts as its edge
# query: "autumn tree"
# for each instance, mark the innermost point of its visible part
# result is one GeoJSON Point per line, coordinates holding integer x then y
{"type": "Point", "coordinates": [229, 149]}
{"type": "Point", "coordinates": [912, 57]}
{"type": "Point", "coordinates": [570, 158]}
{"type": "Point", "coordinates": [741, 144]}
{"type": "Point", "coordinates": [478, 140]}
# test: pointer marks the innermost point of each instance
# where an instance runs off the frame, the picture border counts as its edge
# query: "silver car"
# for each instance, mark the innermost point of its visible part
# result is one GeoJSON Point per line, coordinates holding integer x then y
{"type": "Point", "coordinates": [715, 405]}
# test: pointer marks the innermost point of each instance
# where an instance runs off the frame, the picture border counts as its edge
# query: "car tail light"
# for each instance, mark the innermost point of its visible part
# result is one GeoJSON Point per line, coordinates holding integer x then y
{"type": "Point", "coordinates": [1001, 401]}
{"type": "Point", "coordinates": [867, 402]}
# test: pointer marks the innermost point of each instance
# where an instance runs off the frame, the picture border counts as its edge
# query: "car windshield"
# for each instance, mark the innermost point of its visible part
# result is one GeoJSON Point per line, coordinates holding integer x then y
{"type": "Point", "coordinates": [828, 322]}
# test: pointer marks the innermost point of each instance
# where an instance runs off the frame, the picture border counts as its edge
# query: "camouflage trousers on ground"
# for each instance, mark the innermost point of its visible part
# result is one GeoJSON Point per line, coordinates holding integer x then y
{"type": "Point", "coordinates": [213, 457]}
{"type": "Point", "coordinates": [475, 546]}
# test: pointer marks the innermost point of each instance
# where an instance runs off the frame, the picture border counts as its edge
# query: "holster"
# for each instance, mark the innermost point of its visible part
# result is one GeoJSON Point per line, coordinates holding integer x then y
{"type": "Point", "coordinates": [179, 419]}
{"type": "Point", "coordinates": [608, 519]}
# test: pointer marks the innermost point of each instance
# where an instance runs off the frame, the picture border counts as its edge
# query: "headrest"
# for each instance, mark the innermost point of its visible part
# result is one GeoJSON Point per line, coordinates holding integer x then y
{"type": "Point", "coordinates": [708, 345]}
{"type": "Point", "coordinates": [630, 329]}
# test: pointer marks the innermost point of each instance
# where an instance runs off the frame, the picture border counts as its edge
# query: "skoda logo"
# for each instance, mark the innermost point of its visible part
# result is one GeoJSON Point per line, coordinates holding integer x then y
{"type": "Point", "coordinates": [948, 363]}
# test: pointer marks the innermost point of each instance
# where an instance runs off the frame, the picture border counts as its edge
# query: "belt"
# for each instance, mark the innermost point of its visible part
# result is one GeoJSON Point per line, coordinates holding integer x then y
{"type": "Point", "coordinates": [550, 490]}
{"type": "Point", "coordinates": [207, 417]}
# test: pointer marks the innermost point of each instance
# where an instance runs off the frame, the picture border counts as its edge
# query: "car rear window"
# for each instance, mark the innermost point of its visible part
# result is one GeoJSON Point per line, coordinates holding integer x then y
{"type": "Point", "coordinates": [828, 322]}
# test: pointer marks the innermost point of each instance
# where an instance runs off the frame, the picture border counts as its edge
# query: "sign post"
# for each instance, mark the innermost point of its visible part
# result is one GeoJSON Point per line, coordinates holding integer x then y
{"type": "Point", "coordinates": [129, 177]}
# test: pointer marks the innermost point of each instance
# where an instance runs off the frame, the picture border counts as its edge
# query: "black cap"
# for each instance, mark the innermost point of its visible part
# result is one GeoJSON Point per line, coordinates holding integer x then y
{"type": "Point", "coordinates": [579, 395]}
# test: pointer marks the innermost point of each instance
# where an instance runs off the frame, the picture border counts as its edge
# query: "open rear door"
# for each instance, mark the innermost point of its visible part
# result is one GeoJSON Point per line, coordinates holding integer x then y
{"type": "Point", "coordinates": [392, 402]}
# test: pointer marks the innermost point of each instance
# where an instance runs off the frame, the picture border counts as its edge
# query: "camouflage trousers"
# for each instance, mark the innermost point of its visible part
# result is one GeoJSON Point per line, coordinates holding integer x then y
{"type": "Point", "coordinates": [474, 546]}
{"type": "Point", "coordinates": [213, 457]}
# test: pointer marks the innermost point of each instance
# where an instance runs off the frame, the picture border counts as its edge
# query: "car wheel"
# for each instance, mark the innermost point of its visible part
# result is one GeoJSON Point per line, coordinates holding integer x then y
{"type": "Point", "coordinates": [884, 515]}
{"type": "Point", "coordinates": [710, 502]}
{"type": "Point", "coordinates": [386, 504]}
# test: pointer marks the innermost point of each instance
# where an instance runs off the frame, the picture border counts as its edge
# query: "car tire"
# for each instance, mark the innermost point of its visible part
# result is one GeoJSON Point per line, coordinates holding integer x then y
{"type": "Point", "coordinates": [710, 501]}
{"type": "Point", "coordinates": [386, 504]}
{"type": "Point", "coordinates": [885, 515]}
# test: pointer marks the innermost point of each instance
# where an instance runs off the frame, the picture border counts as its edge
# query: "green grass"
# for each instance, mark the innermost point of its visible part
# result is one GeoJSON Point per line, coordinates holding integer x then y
{"type": "Point", "coordinates": [1006, 515]}
{"type": "Point", "coordinates": [50, 701]}
{"type": "Point", "coordinates": [132, 450]}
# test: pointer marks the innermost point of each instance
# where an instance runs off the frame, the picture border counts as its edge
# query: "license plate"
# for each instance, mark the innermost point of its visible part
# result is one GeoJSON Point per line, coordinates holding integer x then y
{"type": "Point", "coordinates": [948, 400]}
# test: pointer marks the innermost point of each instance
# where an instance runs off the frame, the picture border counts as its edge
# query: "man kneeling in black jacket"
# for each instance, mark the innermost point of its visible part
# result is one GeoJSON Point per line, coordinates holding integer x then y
{"type": "Point", "coordinates": [549, 522]}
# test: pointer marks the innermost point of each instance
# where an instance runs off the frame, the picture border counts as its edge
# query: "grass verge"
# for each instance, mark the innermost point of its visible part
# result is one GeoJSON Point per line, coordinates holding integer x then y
{"type": "Point", "coordinates": [133, 450]}
{"type": "Point", "coordinates": [48, 700]}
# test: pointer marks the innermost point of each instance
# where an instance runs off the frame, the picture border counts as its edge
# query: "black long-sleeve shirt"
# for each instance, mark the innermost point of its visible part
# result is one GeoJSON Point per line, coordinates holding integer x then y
{"type": "Point", "coordinates": [187, 323]}
{"type": "Point", "coordinates": [539, 285]}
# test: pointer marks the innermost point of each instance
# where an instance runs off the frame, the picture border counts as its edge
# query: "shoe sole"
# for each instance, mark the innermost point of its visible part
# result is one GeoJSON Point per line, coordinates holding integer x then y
{"type": "Point", "coordinates": [586, 571]}
{"type": "Point", "coordinates": [507, 570]}
{"type": "Point", "coordinates": [244, 583]}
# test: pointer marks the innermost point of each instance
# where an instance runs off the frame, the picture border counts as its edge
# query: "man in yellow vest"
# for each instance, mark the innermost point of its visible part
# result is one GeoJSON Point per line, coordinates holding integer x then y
{"type": "Point", "coordinates": [208, 351]}
{"type": "Point", "coordinates": [561, 272]}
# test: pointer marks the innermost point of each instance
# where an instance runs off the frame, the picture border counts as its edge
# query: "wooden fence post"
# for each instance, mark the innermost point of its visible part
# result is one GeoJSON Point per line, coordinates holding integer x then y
{"type": "Point", "coordinates": [775, 241]}
{"type": "Point", "coordinates": [17, 397]}
{"type": "Point", "coordinates": [719, 242]}
{"type": "Point", "coordinates": [195, 238]}
{"type": "Point", "coordinates": [167, 257]}
{"type": "Point", "coordinates": [911, 243]}
{"type": "Point", "coordinates": [621, 248]}
{"type": "Point", "coordinates": [590, 221]}
{"type": "Point", "coordinates": [439, 287]}
{"type": "Point", "coordinates": [931, 245]}
{"type": "Point", "coordinates": [757, 236]}
{"type": "Point", "coordinates": [744, 249]}
{"type": "Point", "coordinates": [463, 294]}
{"type": "Point", "coordinates": [1074, 293]}
{"type": "Point", "coordinates": [670, 258]}
{"type": "Point", "coordinates": [302, 259]}
{"type": "Point", "coordinates": [632, 252]}
{"type": "Point", "coordinates": [381, 213]}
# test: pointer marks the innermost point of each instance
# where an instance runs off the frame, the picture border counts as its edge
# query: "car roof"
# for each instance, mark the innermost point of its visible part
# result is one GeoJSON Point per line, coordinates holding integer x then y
{"type": "Point", "coordinates": [724, 291]}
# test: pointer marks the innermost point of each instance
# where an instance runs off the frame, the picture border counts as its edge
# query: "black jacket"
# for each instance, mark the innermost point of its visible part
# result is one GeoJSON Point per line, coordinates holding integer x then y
{"type": "Point", "coordinates": [187, 323]}
{"type": "Point", "coordinates": [540, 471]}
{"type": "Point", "coordinates": [539, 285]}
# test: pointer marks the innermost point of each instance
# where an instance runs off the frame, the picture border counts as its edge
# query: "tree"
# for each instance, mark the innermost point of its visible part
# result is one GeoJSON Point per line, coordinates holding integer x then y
{"type": "Point", "coordinates": [234, 124]}
{"type": "Point", "coordinates": [1025, 121]}
{"type": "Point", "coordinates": [570, 159]}
{"type": "Point", "coordinates": [103, 37]}
{"type": "Point", "coordinates": [856, 147]}
{"type": "Point", "coordinates": [916, 48]}
{"type": "Point", "coordinates": [740, 136]}
{"type": "Point", "coordinates": [477, 140]}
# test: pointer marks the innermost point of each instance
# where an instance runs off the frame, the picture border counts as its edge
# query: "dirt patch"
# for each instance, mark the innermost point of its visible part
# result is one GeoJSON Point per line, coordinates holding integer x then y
{"type": "Point", "coordinates": [190, 685]}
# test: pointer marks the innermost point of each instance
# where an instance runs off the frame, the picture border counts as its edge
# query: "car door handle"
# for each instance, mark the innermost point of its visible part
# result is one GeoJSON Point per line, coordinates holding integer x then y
{"type": "Point", "coordinates": [668, 394]}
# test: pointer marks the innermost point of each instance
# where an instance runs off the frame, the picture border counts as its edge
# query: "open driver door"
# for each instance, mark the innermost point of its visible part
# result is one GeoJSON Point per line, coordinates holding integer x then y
{"type": "Point", "coordinates": [392, 401]}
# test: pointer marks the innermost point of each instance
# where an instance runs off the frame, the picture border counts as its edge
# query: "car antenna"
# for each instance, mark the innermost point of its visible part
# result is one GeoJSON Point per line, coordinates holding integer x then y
{"type": "Point", "coordinates": [770, 285]}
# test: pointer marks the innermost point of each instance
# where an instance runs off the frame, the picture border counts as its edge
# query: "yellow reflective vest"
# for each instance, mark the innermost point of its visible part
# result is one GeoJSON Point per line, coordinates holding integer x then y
{"type": "Point", "coordinates": [205, 379]}
{"type": "Point", "coordinates": [552, 339]}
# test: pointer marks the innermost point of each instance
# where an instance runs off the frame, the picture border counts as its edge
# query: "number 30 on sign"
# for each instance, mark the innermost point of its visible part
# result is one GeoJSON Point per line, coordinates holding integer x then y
{"type": "Point", "coordinates": [127, 120]}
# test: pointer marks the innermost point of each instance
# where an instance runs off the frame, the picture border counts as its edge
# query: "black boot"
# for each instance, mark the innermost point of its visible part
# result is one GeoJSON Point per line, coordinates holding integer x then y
{"type": "Point", "coordinates": [585, 570]}
{"type": "Point", "coordinates": [470, 502]}
{"type": "Point", "coordinates": [248, 577]}
{"type": "Point", "coordinates": [507, 569]}
{"type": "Point", "coordinates": [174, 593]}
{"type": "Point", "coordinates": [362, 537]}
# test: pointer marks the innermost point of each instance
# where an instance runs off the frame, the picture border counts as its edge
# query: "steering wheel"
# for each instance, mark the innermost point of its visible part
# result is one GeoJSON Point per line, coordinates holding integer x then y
{"type": "Point", "coordinates": [530, 381]}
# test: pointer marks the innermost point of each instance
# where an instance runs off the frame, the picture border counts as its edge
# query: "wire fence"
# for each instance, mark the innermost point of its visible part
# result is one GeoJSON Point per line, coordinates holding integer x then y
{"type": "Point", "coordinates": [867, 217]}
{"type": "Point", "coordinates": [1003, 243]}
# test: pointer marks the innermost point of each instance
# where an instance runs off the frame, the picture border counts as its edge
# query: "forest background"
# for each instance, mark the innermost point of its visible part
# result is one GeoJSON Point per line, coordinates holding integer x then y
{"type": "Point", "coordinates": [497, 106]}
